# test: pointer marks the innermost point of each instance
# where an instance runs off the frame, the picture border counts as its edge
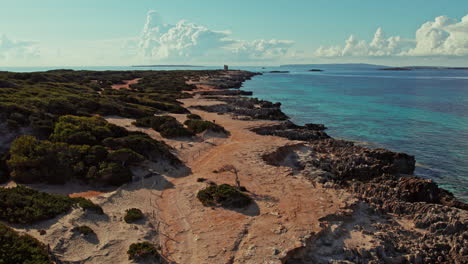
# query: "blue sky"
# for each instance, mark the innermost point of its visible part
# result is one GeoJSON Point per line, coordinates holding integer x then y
{"type": "Point", "coordinates": [105, 32]}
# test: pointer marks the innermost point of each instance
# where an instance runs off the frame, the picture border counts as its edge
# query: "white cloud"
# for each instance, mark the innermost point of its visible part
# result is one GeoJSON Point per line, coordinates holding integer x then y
{"type": "Point", "coordinates": [441, 37]}
{"type": "Point", "coordinates": [261, 49]}
{"type": "Point", "coordinates": [379, 46]}
{"type": "Point", "coordinates": [188, 41]}
{"type": "Point", "coordinates": [16, 49]}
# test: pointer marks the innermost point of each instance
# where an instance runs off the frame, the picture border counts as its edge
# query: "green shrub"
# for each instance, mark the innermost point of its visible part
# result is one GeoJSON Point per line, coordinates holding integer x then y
{"type": "Point", "coordinates": [87, 205]}
{"type": "Point", "coordinates": [16, 248]}
{"type": "Point", "coordinates": [84, 230]}
{"type": "Point", "coordinates": [143, 122]}
{"type": "Point", "coordinates": [198, 126]}
{"type": "Point", "coordinates": [22, 205]}
{"type": "Point", "coordinates": [125, 156]}
{"type": "Point", "coordinates": [77, 130]}
{"type": "Point", "coordinates": [113, 174]}
{"type": "Point", "coordinates": [224, 195]}
{"type": "Point", "coordinates": [167, 126]}
{"type": "Point", "coordinates": [132, 215]}
{"type": "Point", "coordinates": [32, 160]}
{"type": "Point", "coordinates": [194, 116]}
{"type": "Point", "coordinates": [143, 144]}
{"type": "Point", "coordinates": [142, 251]}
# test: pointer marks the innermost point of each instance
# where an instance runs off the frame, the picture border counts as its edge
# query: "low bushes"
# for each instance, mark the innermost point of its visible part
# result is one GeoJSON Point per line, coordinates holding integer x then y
{"type": "Point", "coordinates": [143, 144]}
{"type": "Point", "coordinates": [142, 251]}
{"type": "Point", "coordinates": [32, 160]}
{"type": "Point", "coordinates": [224, 195]}
{"type": "Point", "coordinates": [198, 126]}
{"type": "Point", "coordinates": [22, 205]}
{"type": "Point", "coordinates": [167, 126]}
{"type": "Point", "coordinates": [87, 205]}
{"type": "Point", "coordinates": [77, 130]}
{"type": "Point", "coordinates": [133, 215]}
{"type": "Point", "coordinates": [84, 230]}
{"type": "Point", "coordinates": [194, 116]}
{"type": "Point", "coordinates": [16, 248]}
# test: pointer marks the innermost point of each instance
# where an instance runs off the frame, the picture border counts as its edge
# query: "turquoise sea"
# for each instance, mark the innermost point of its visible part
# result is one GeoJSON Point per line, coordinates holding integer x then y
{"type": "Point", "coordinates": [420, 112]}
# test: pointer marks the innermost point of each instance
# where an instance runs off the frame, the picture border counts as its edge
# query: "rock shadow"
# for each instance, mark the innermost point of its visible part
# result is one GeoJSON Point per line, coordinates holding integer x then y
{"type": "Point", "coordinates": [251, 210]}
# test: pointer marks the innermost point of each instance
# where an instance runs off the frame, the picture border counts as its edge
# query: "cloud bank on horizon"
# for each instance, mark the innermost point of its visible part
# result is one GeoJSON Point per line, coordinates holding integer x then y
{"type": "Point", "coordinates": [442, 37]}
{"type": "Point", "coordinates": [188, 41]}
{"type": "Point", "coordinates": [17, 49]}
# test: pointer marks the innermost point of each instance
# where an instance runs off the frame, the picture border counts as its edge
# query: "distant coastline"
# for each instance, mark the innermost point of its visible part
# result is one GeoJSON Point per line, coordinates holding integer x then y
{"type": "Point", "coordinates": [161, 66]}
{"type": "Point", "coordinates": [410, 68]}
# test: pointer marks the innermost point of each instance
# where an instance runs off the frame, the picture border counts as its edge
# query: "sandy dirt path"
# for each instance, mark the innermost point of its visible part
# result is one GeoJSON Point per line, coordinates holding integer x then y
{"type": "Point", "coordinates": [126, 84]}
{"type": "Point", "coordinates": [284, 215]}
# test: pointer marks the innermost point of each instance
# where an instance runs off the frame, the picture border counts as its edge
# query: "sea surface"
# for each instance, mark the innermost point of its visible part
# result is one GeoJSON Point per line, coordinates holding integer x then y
{"type": "Point", "coordinates": [420, 112]}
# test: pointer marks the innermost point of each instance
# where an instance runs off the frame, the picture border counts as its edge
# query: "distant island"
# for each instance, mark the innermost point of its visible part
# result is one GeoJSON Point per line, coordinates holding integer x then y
{"type": "Point", "coordinates": [315, 70]}
{"type": "Point", "coordinates": [160, 66]}
{"type": "Point", "coordinates": [278, 72]}
{"type": "Point", "coordinates": [338, 65]}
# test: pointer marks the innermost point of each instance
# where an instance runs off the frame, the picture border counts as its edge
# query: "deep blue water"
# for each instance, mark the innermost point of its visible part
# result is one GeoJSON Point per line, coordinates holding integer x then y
{"type": "Point", "coordinates": [421, 112]}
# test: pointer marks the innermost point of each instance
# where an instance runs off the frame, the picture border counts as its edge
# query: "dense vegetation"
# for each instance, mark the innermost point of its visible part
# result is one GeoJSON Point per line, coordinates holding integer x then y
{"type": "Point", "coordinates": [142, 251]}
{"type": "Point", "coordinates": [198, 126]}
{"type": "Point", "coordinates": [166, 125]}
{"type": "Point", "coordinates": [58, 108]}
{"type": "Point", "coordinates": [24, 249]}
{"type": "Point", "coordinates": [84, 148]}
{"type": "Point", "coordinates": [38, 99]}
{"type": "Point", "coordinates": [22, 205]}
{"type": "Point", "coordinates": [224, 195]}
{"type": "Point", "coordinates": [132, 215]}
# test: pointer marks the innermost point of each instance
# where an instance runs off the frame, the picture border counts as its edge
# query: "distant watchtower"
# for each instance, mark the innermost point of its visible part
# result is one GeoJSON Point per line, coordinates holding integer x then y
{"type": "Point", "coordinates": [226, 67]}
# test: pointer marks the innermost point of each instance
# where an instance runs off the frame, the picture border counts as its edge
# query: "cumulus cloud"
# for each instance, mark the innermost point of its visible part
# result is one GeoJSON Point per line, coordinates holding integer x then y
{"type": "Point", "coordinates": [441, 37]}
{"type": "Point", "coordinates": [16, 49]}
{"type": "Point", "coordinates": [379, 46]}
{"type": "Point", "coordinates": [187, 41]}
{"type": "Point", "coordinates": [261, 49]}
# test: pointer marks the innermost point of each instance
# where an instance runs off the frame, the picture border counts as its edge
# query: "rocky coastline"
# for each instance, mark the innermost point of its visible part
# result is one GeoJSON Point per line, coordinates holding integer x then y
{"type": "Point", "coordinates": [403, 218]}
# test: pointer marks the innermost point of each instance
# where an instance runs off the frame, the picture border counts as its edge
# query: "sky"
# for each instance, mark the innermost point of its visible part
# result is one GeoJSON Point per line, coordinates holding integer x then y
{"type": "Point", "coordinates": [207, 32]}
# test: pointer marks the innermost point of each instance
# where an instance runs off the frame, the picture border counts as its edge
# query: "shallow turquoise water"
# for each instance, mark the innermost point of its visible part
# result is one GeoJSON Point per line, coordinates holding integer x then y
{"type": "Point", "coordinates": [423, 113]}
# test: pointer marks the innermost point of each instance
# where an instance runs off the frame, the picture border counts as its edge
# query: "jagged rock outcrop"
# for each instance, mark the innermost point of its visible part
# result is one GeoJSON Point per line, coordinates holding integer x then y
{"type": "Point", "coordinates": [226, 92]}
{"type": "Point", "coordinates": [234, 79]}
{"type": "Point", "coordinates": [345, 160]}
{"type": "Point", "coordinates": [248, 107]}
{"type": "Point", "coordinates": [292, 131]}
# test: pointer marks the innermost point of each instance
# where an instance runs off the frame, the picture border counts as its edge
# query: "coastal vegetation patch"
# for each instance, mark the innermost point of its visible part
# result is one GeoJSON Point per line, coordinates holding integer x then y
{"type": "Point", "coordinates": [167, 126]}
{"type": "Point", "coordinates": [142, 251]}
{"type": "Point", "coordinates": [84, 148]}
{"type": "Point", "coordinates": [59, 109]}
{"type": "Point", "coordinates": [199, 126]}
{"type": "Point", "coordinates": [194, 117]}
{"type": "Point", "coordinates": [223, 195]}
{"type": "Point", "coordinates": [23, 205]}
{"type": "Point", "coordinates": [84, 230]}
{"type": "Point", "coordinates": [132, 215]}
{"type": "Point", "coordinates": [21, 248]}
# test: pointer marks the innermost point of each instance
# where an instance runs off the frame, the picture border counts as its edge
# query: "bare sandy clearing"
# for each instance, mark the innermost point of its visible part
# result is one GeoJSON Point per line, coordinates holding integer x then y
{"type": "Point", "coordinates": [126, 84]}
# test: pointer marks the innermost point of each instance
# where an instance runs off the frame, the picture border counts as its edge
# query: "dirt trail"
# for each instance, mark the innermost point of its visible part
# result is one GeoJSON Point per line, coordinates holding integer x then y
{"type": "Point", "coordinates": [284, 215]}
{"type": "Point", "coordinates": [126, 84]}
